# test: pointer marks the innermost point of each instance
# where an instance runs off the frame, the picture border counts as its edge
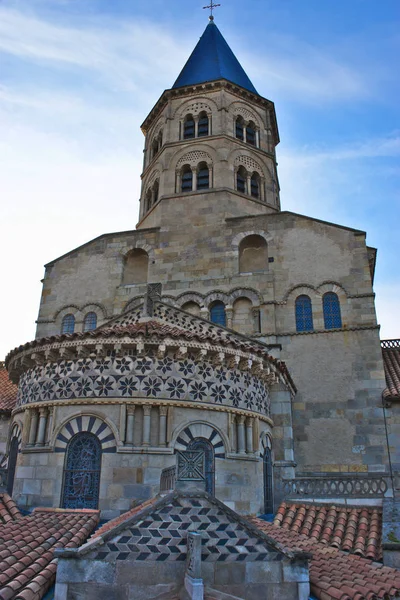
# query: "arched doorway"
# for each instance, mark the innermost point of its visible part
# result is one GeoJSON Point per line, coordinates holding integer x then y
{"type": "Point", "coordinates": [82, 470]}
{"type": "Point", "coordinates": [268, 489]}
{"type": "Point", "coordinates": [12, 463]}
{"type": "Point", "coordinates": [204, 445]}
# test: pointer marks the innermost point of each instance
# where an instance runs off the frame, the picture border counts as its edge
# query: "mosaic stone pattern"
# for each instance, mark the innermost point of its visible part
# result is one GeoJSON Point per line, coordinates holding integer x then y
{"type": "Point", "coordinates": [162, 536]}
{"type": "Point", "coordinates": [144, 377]}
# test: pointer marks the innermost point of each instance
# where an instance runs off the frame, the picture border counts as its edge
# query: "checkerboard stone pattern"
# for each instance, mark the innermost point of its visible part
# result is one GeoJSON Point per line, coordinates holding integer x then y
{"type": "Point", "coordinates": [162, 536]}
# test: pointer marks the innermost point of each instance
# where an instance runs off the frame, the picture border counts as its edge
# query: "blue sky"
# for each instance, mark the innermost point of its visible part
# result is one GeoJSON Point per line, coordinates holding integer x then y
{"type": "Point", "coordinates": [77, 77]}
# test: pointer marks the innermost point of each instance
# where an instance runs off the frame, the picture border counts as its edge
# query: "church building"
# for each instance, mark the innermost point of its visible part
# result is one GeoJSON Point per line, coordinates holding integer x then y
{"type": "Point", "coordinates": [221, 323]}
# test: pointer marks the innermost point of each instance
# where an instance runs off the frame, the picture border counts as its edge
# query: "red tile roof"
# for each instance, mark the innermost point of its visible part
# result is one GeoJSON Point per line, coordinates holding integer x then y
{"type": "Point", "coordinates": [8, 391]}
{"type": "Point", "coordinates": [354, 529]}
{"type": "Point", "coordinates": [8, 509]}
{"type": "Point", "coordinates": [27, 566]}
{"type": "Point", "coordinates": [337, 575]}
{"type": "Point", "coordinates": [391, 363]}
{"type": "Point", "coordinates": [125, 516]}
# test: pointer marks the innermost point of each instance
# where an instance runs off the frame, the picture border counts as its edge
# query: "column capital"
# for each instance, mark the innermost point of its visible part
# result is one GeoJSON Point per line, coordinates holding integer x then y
{"type": "Point", "coordinates": [130, 409]}
{"type": "Point", "coordinates": [249, 421]}
{"type": "Point", "coordinates": [163, 411]}
{"type": "Point", "coordinates": [241, 419]}
{"type": "Point", "coordinates": [146, 410]}
{"type": "Point", "coordinates": [43, 411]}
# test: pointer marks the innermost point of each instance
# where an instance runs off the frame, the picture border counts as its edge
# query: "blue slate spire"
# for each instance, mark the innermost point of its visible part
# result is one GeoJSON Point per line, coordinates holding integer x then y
{"type": "Point", "coordinates": [213, 59]}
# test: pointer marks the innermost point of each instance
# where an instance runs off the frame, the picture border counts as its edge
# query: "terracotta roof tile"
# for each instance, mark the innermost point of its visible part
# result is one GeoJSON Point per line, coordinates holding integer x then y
{"type": "Point", "coordinates": [126, 515]}
{"type": "Point", "coordinates": [391, 363]}
{"type": "Point", "coordinates": [334, 574]}
{"type": "Point", "coordinates": [27, 566]}
{"type": "Point", "coordinates": [8, 391]}
{"type": "Point", "coordinates": [8, 509]}
{"type": "Point", "coordinates": [356, 529]}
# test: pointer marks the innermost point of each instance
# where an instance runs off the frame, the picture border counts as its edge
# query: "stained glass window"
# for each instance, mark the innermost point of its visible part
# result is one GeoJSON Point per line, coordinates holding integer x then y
{"type": "Point", "coordinates": [331, 306]}
{"type": "Point", "coordinates": [82, 472]}
{"type": "Point", "coordinates": [217, 313]}
{"type": "Point", "coordinates": [90, 321]}
{"type": "Point", "coordinates": [304, 318]}
{"type": "Point", "coordinates": [68, 324]}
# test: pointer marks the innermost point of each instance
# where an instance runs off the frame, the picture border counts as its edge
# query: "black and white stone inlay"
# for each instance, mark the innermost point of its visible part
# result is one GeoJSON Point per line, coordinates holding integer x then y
{"type": "Point", "coordinates": [162, 536]}
{"type": "Point", "coordinates": [144, 377]}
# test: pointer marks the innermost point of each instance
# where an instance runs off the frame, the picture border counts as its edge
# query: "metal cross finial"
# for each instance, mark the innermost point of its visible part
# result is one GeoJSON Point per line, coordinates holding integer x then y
{"type": "Point", "coordinates": [211, 6]}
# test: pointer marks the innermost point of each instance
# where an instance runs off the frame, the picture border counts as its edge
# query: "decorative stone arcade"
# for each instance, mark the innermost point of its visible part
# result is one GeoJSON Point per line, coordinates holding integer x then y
{"type": "Point", "coordinates": [107, 409]}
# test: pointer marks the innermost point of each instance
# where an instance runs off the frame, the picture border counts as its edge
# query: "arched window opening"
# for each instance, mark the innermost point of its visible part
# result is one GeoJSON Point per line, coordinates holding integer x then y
{"type": "Point", "coordinates": [303, 309]}
{"type": "Point", "coordinates": [187, 179]}
{"type": "Point", "coordinates": [255, 185]}
{"type": "Point", "coordinates": [155, 148]}
{"type": "Point", "coordinates": [217, 313]}
{"type": "Point", "coordinates": [191, 307]}
{"type": "Point", "coordinates": [251, 134]}
{"type": "Point", "coordinates": [188, 127]}
{"type": "Point", "coordinates": [239, 128]}
{"type": "Point", "coordinates": [203, 126]}
{"type": "Point", "coordinates": [155, 191]}
{"type": "Point", "coordinates": [204, 445]}
{"type": "Point", "coordinates": [242, 317]}
{"type": "Point", "coordinates": [241, 180]}
{"type": "Point", "coordinates": [68, 324]}
{"type": "Point", "coordinates": [331, 308]}
{"type": "Point", "coordinates": [82, 468]}
{"type": "Point", "coordinates": [253, 254]}
{"type": "Point", "coordinates": [148, 200]}
{"type": "Point", "coordinates": [12, 464]}
{"type": "Point", "coordinates": [136, 267]}
{"type": "Point", "coordinates": [203, 177]}
{"type": "Point", "coordinates": [90, 321]}
{"type": "Point", "coordinates": [268, 487]}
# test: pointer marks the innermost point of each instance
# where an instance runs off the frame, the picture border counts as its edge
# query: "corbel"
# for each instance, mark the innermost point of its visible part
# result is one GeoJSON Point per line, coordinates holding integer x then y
{"type": "Point", "coordinates": [161, 350]}
{"type": "Point", "coordinates": [38, 358]}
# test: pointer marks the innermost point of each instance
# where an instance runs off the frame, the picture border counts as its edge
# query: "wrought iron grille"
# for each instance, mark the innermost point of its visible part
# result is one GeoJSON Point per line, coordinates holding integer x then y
{"type": "Point", "coordinates": [205, 446]}
{"type": "Point", "coordinates": [82, 472]}
{"type": "Point", "coordinates": [332, 316]}
{"type": "Point", "coordinates": [304, 319]}
{"type": "Point", "coordinates": [168, 479]}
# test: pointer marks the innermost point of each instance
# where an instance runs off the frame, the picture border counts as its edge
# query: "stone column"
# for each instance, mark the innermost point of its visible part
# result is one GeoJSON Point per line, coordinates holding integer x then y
{"type": "Point", "coordinates": [162, 435]}
{"type": "Point", "coordinates": [262, 189]}
{"type": "Point", "coordinates": [257, 138]}
{"type": "Point", "coordinates": [130, 424]}
{"type": "Point", "coordinates": [240, 434]}
{"type": "Point", "coordinates": [256, 319]}
{"type": "Point", "coordinates": [194, 178]}
{"type": "Point", "coordinates": [146, 425]}
{"type": "Point", "coordinates": [244, 131]}
{"type": "Point", "coordinates": [248, 184]}
{"type": "Point", "coordinates": [196, 126]}
{"type": "Point", "coordinates": [49, 425]}
{"type": "Point", "coordinates": [43, 412]}
{"type": "Point", "coordinates": [178, 182]}
{"type": "Point", "coordinates": [229, 316]}
{"type": "Point", "coordinates": [249, 435]}
{"type": "Point", "coordinates": [33, 427]}
{"type": "Point", "coordinates": [210, 176]}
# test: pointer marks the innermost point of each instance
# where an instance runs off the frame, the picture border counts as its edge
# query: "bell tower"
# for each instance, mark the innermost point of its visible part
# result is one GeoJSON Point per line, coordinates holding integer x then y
{"type": "Point", "coordinates": [209, 142]}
